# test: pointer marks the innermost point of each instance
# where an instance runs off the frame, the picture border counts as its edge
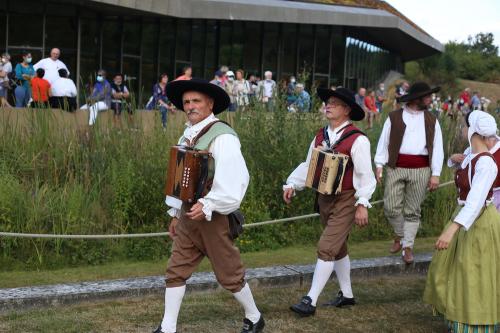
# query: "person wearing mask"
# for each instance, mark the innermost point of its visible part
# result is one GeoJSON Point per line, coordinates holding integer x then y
{"type": "Point", "coordinates": [303, 101]}
{"type": "Point", "coordinates": [371, 108]}
{"type": "Point", "coordinates": [100, 98]}
{"type": "Point", "coordinates": [40, 89]}
{"type": "Point", "coordinates": [160, 100]}
{"type": "Point", "coordinates": [380, 96]}
{"type": "Point", "coordinates": [63, 92]}
{"type": "Point", "coordinates": [267, 91]}
{"type": "Point", "coordinates": [52, 65]}
{"type": "Point", "coordinates": [120, 98]}
{"type": "Point", "coordinates": [290, 91]}
{"type": "Point", "coordinates": [5, 73]}
{"type": "Point", "coordinates": [218, 79]}
{"type": "Point", "coordinates": [241, 90]}
{"type": "Point", "coordinates": [187, 74]}
{"type": "Point", "coordinates": [252, 80]}
{"type": "Point", "coordinates": [24, 73]}
{"type": "Point", "coordinates": [229, 88]}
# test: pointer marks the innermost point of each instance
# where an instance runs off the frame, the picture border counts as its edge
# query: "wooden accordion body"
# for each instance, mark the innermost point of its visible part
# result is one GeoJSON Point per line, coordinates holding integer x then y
{"type": "Point", "coordinates": [188, 173]}
{"type": "Point", "coordinates": [326, 171]}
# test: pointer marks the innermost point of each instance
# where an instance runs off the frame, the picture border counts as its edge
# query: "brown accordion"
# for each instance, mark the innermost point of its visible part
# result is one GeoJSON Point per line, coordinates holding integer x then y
{"type": "Point", "coordinates": [326, 171]}
{"type": "Point", "coordinates": [188, 173]}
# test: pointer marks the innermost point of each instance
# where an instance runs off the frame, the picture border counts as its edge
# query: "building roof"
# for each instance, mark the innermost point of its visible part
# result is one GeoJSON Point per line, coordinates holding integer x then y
{"type": "Point", "coordinates": [373, 21]}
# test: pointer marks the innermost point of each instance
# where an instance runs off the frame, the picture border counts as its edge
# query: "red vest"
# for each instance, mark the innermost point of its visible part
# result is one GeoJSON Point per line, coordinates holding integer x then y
{"type": "Point", "coordinates": [496, 156]}
{"type": "Point", "coordinates": [462, 178]}
{"type": "Point", "coordinates": [344, 148]}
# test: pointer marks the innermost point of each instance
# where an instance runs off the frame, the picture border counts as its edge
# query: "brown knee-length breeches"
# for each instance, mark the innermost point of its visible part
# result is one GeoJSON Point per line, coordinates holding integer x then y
{"type": "Point", "coordinates": [337, 216]}
{"type": "Point", "coordinates": [197, 239]}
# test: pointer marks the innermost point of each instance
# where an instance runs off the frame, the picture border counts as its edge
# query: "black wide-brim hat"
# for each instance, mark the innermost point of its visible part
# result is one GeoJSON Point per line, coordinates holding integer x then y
{"type": "Point", "coordinates": [176, 89]}
{"type": "Point", "coordinates": [416, 91]}
{"type": "Point", "coordinates": [347, 96]}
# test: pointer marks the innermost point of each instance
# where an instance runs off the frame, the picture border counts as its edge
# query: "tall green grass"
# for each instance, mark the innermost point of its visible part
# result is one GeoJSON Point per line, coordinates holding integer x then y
{"type": "Point", "coordinates": [55, 179]}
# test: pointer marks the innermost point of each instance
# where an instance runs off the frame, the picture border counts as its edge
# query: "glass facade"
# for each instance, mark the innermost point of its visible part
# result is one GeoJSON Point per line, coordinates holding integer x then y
{"type": "Point", "coordinates": [141, 46]}
{"type": "Point", "coordinates": [366, 64]}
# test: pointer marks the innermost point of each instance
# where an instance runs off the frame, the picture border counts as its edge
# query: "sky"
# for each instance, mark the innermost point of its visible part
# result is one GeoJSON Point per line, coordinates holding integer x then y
{"type": "Point", "coordinates": [448, 20]}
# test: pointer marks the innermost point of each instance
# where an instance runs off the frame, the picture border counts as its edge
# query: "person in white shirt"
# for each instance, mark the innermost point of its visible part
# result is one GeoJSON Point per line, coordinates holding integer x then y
{"type": "Point", "coordinates": [338, 212]}
{"type": "Point", "coordinates": [63, 92]}
{"type": "Point", "coordinates": [51, 65]}
{"type": "Point", "coordinates": [267, 90]}
{"type": "Point", "coordinates": [201, 229]}
{"type": "Point", "coordinates": [462, 283]}
{"type": "Point", "coordinates": [411, 146]}
{"type": "Point", "coordinates": [5, 70]}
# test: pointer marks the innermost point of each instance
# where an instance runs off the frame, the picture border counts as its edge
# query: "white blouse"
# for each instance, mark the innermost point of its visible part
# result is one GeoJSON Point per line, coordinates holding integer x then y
{"type": "Point", "coordinates": [414, 142]}
{"type": "Point", "coordinates": [484, 176]}
{"type": "Point", "coordinates": [363, 178]}
{"type": "Point", "coordinates": [231, 176]}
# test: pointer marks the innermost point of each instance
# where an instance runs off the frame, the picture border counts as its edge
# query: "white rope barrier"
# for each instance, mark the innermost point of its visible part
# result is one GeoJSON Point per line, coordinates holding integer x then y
{"type": "Point", "coordinates": [162, 234]}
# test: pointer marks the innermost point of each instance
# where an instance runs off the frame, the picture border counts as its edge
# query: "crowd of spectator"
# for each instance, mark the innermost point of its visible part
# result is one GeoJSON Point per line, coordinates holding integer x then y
{"type": "Point", "coordinates": [47, 84]}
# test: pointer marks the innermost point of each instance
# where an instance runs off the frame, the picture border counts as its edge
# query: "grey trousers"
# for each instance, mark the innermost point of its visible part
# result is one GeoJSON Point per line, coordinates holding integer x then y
{"type": "Point", "coordinates": [404, 193]}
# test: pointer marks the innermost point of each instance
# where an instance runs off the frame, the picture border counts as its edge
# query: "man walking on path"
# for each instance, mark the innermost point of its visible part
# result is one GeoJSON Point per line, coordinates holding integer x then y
{"type": "Point", "coordinates": [202, 229]}
{"type": "Point", "coordinates": [338, 212]}
{"type": "Point", "coordinates": [411, 145]}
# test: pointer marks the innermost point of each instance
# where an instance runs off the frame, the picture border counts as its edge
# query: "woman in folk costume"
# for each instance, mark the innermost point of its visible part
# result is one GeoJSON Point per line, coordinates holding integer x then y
{"type": "Point", "coordinates": [463, 282]}
{"type": "Point", "coordinates": [338, 212]}
{"type": "Point", "coordinates": [493, 144]}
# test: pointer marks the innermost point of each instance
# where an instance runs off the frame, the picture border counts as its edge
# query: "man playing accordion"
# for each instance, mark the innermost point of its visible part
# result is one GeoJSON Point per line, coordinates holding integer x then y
{"type": "Point", "coordinates": [200, 227]}
{"type": "Point", "coordinates": [338, 210]}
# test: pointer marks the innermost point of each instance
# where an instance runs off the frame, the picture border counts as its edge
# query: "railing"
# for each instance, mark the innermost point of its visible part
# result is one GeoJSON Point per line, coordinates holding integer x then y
{"type": "Point", "coordinates": [162, 234]}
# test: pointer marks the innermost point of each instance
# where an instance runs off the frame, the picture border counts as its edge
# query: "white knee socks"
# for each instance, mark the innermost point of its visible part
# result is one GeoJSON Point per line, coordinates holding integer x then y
{"type": "Point", "coordinates": [321, 275]}
{"type": "Point", "coordinates": [343, 270]}
{"type": "Point", "coordinates": [173, 300]}
{"type": "Point", "coordinates": [245, 298]}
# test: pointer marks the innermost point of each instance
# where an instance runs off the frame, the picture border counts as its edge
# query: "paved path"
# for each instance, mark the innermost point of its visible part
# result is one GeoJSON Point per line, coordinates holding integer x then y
{"type": "Point", "coordinates": [26, 297]}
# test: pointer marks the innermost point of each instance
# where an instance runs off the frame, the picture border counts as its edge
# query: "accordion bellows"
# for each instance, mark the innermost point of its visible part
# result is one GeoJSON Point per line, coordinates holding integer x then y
{"type": "Point", "coordinates": [326, 171]}
{"type": "Point", "coordinates": [188, 173]}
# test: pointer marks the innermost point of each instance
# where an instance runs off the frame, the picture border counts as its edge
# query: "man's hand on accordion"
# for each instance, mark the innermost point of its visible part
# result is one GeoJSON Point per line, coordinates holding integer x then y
{"type": "Point", "coordinates": [288, 194]}
{"type": "Point", "coordinates": [196, 212]}
{"type": "Point", "coordinates": [361, 216]}
{"type": "Point", "coordinates": [171, 227]}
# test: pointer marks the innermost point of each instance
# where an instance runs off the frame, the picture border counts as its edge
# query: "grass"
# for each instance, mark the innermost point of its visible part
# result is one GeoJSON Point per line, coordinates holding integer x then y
{"type": "Point", "coordinates": [305, 254]}
{"type": "Point", "coordinates": [385, 304]}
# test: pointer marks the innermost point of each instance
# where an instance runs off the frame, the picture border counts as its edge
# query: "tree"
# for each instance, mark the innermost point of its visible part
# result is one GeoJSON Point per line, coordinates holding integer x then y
{"type": "Point", "coordinates": [483, 43]}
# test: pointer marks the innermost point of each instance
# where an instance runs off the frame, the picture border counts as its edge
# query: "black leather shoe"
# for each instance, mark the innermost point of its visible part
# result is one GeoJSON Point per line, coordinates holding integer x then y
{"type": "Point", "coordinates": [249, 327]}
{"type": "Point", "coordinates": [341, 301]}
{"type": "Point", "coordinates": [158, 330]}
{"type": "Point", "coordinates": [304, 308]}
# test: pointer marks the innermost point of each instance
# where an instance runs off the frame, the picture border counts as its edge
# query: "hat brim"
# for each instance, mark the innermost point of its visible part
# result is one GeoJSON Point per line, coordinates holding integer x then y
{"type": "Point", "coordinates": [356, 114]}
{"type": "Point", "coordinates": [175, 91]}
{"type": "Point", "coordinates": [412, 97]}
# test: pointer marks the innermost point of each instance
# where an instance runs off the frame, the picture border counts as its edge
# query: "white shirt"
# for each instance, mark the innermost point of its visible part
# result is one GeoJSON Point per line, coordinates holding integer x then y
{"type": "Point", "coordinates": [363, 178]}
{"type": "Point", "coordinates": [268, 88]}
{"type": "Point", "coordinates": [63, 87]}
{"type": "Point", "coordinates": [7, 68]}
{"type": "Point", "coordinates": [51, 68]}
{"type": "Point", "coordinates": [231, 176]}
{"type": "Point", "coordinates": [414, 142]}
{"type": "Point", "coordinates": [484, 176]}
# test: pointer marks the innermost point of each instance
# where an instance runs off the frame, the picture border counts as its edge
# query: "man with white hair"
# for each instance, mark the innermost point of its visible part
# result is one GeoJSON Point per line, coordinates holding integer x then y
{"type": "Point", "coordinates": [51, 65]}
{"type": "Point", "coordinates": [267, 90]}
{"type": "Point", "coordinates": [303, 101]}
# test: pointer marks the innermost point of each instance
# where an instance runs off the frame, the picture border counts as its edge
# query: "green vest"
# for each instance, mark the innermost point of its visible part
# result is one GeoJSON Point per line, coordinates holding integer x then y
{"type": "Point", "coordinates": [206, 139]}
{"type": "Point", "coordinates": [214, 131]}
